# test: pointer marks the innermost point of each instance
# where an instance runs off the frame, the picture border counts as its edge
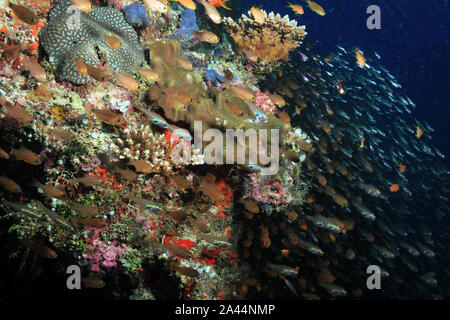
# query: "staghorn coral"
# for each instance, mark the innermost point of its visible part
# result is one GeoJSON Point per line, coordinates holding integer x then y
{"type": "Point", "coordinates": [63, 42]}
{"type": "Point", "coordinates": [268, 43]}
{"type": "Point", "coordinates": [140, 143]}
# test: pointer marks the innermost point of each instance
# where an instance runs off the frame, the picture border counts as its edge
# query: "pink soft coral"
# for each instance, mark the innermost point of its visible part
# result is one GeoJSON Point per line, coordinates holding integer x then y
{"type": "Point", "coordinates": [264, 103]}
{"type": "Point", "coordinates": [100, 253]}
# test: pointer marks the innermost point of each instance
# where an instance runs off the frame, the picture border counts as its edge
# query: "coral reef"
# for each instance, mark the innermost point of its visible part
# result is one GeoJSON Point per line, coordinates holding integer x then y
{"type": "Point", "coordinates": [65, 38]}
{"type": "Point", "coordinates": [140, 143]}
{"type": "Point", "coordinates": [135, 15]}
{"type": "Point", "coordinates": [188, 24]}
{"type": "Point", "coordinates": [268, 43]}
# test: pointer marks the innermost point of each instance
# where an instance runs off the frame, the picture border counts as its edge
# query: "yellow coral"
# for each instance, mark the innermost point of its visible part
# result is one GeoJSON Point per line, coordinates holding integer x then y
{"type": "Point", "coordinates": [268, 42]}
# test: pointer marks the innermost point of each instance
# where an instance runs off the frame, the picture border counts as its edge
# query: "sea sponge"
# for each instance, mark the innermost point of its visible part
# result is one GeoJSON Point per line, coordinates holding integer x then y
{"type": "Point", "coordinates": [265, 43]}
{"type": "Point", "coordinates": [63, 41]}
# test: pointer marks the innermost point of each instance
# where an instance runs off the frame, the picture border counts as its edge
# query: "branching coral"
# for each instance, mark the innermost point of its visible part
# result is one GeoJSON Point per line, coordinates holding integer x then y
{"type": "Point", "coordinates": [266, 43]}
{"type": "Point", "coordinates": [65, 38]}
{"type": "Point", "coordinates": [140, 143]}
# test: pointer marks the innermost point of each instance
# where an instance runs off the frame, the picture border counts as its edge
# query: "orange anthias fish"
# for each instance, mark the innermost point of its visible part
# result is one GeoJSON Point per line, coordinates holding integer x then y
{"type": "Point", "coordinates": [127, 82]}
{"type": "Point", "coordinates": [43, 251]}
{"type": "Point", "coordinates": [315, 7]}
{"type": "Point", "coordinates": [109, 117]}
{"type": "Point", "coordinates": [27, 156]}
{"type": "Point", "coordinates": [360, 59]}
{"type": "Point", "coordinates": [99, 74]}
{"type": "Point", "coordinates": [361, 146]}
{"type": "Point", "coordinates": [112, 41]}
{"type": "Point", "coordinates": [18, 113]}
{"type": "Point", "coordinates": [88, 181]}
{"type": "Point", "coordinates": [51, 191]}
{"type": "Point", "coordinates": [402, 168]}
{"type": "Point", "coordinates": [148, 74]}
{"type": "Point", "coordinates": [219, 3]}
{"type": "Point", "coordinates": [394, 188]}
{"type": "Point", "coordinates": [211, 12]}
{"type": "Point", "coordinates": [258, 15]}
{"type": "Point", "coordinates": [80, 65]}
{"type": "Point", "coordinates": [24, 14]}
{"type": "Point", "coordinates": [4, 154]}
{"type": "Point", "coordinates": [207, 36]}
{"type": "Point", "coordinates": [35, 69]}
{"type": "Point", "coordinates": [298, 9]}
{"type": "Point", "coordinates": [419, 132]}
{"type": "Point", "coordinates": [83, 5]}
{"type": "Point", "coordinates": [9, 185]}
{"type": "Point", "coordinates": [187, 4]}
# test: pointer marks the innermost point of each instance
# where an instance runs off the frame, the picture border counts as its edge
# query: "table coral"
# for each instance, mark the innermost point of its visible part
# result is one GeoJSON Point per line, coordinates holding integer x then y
{"type": "Point", "coordinates": [63, 41]}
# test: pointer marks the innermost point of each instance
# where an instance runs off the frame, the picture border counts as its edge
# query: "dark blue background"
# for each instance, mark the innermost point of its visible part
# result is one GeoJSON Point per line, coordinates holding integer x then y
{"type": "Point", "coordinates": [413, 44]}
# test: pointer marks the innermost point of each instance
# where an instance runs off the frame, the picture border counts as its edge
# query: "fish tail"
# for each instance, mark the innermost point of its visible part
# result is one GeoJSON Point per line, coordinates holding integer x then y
{"type": "Point", "coordinates": [224, 6]}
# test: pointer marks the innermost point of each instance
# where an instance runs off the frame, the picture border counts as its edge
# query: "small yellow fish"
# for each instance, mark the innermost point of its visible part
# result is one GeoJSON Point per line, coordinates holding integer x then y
{"type": "Point", "coordinates": [207, 36]}
{"type": "Point", "coordinates": [155, 5]}
{"type": "Point", "coordinates": [83, 5]}
{"type": "Point", "coordinates": [258, 15]}
{"type": "Point", "coordinates": [243, 93]}
{"type": "Point", "coordinates": [315, 7]}
{"type": "Point", "coordinates": [185, 64]}
{"type": "Point", "coordinates": [419, 132]}
{"type": "Point", "coordinates": [298, 9]}
{"type": "Point", "coordinates": [187, 4]}
{"type": "Point", "coordinates": [211, 12]}
{"type": "Point", "coordinates": [148, 74]}
{"type": "Point", "coordinates": [127, 82]}
{"type": "Point", "coordinates": [360, 59]}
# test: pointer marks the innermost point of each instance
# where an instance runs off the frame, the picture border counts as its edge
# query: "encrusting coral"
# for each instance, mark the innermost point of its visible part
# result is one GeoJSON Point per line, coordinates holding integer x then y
{"type": "Point", "coordinates": [265, 43]}
{"type": "Point", "coordinates": [64, 41]}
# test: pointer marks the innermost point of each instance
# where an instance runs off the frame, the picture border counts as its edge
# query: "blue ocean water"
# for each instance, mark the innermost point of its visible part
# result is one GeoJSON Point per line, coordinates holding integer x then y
{"type": "Point", "coordinates": [413, 43]}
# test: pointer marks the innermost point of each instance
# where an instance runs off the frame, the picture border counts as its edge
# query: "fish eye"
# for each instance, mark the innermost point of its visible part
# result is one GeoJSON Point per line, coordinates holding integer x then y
{"type": "Point", "coordinates": [118, 120]}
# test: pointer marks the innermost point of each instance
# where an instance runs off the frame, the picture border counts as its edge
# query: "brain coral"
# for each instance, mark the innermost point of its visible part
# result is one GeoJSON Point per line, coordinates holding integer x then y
{"type": "Point", "coordinates": [62, 42]}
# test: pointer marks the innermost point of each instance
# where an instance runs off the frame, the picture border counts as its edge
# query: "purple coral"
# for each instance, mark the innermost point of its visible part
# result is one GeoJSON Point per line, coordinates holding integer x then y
{"type": "Point", "coordinates": [102, 254]}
